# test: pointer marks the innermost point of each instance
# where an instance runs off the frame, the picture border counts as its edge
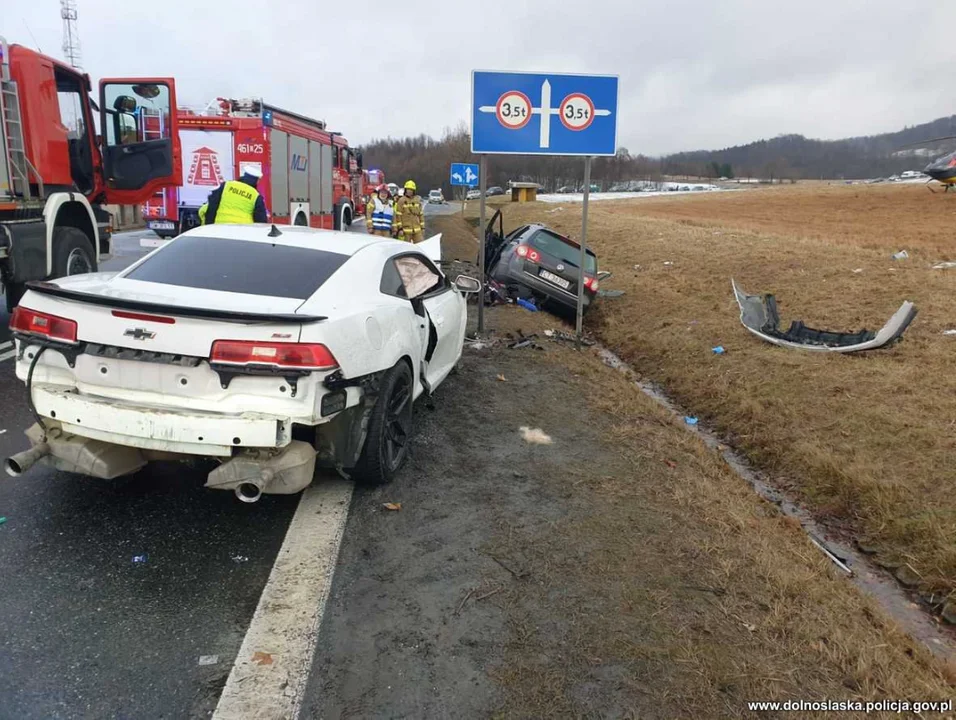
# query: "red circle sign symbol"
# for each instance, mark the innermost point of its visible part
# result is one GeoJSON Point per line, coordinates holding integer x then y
{"type": "Point", "coordinates": [577, 112]}
{"type": "Point", "coordinates": [513, 110]}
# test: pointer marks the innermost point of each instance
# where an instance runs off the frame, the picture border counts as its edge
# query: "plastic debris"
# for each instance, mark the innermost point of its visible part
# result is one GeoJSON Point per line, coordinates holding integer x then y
{"type": "Point", "coordinates": [858, 270]}
{"type": "Point", "coordinates": [901, 255]}
{"type": "Point", "coordinates": [949, 332]}
{"type": "Point", "coordinates": [2, 520]}
{"type": "Point", "coordinates": [395, 507]}
{"type": "Point", "coordinates": [690, 420]}
{"type": "Point", "coordinates": [608, 294]}
{"type": "Point", "coordinates": [139, 559]}
{"type": "Point", "coordinates": [944, 265]}
{"type": "Point", "coordinates": [668, 262]}
{"type": "Point", "coordinates": [208, 659]}
{"type": "Point", "coordinates": [535, 436]}
{"type": "Point", "coordinates": [2, 432]}
{"type": "Point", "coordinates": [638, 267]}
{"type": "Point", "coordinates": [502, 378]}
{"type": "Point", "coordinates": [262, 658]}
{"type": "Point", "coordinates": [240, 558]}
{"type": "Point", "coordinates": [527, 305]}
{"type": "Point", "coordinates": [719, 350]}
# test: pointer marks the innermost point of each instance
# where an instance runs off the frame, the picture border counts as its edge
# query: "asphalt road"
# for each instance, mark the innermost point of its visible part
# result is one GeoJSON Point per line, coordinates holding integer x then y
{"type": "Point", "coordinates": [87, 631]}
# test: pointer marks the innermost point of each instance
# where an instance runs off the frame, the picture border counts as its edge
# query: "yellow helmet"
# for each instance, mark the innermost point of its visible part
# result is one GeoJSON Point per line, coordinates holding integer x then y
{"type": "Point", "coordinates": [410, 185]}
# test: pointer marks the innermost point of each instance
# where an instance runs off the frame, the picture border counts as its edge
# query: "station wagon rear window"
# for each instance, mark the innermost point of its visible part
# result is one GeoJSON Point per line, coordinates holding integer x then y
{"type": "Point", "coordinates": [240, 266]}
{"type": "Point", "coordinates": [557, 247]}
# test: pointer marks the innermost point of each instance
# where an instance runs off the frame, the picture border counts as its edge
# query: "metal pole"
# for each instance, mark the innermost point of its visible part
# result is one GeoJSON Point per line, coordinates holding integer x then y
{"type": "Point", "coordinates": [482, 184]}
{"type": "Point", "coordinates": [584, 245]}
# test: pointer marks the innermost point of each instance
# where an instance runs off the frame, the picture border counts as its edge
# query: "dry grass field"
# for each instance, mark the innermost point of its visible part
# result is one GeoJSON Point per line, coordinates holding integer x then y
{"type": "Point", "coordinates": [868, 440]}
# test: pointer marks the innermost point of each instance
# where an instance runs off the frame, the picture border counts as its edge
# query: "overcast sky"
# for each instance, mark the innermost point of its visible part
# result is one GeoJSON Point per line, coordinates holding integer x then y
{"type": "Point", "coordinates": [694, 74]}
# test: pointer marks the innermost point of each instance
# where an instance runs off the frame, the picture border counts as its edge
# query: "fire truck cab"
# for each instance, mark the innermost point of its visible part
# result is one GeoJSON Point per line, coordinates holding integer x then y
{"type": "Point", "coordinates": [310, 175]}
{"type": "Point", "coordinates": [57, 171]}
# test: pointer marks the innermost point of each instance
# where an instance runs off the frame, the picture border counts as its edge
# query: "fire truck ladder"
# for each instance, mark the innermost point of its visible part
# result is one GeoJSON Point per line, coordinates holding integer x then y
{"type": "Point", "coordinates": [15, 166]}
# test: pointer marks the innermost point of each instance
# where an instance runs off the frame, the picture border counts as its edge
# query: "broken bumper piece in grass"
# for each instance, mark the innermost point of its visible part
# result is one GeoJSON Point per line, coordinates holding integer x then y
{"type": "Point", "coordinates": [758, 313]}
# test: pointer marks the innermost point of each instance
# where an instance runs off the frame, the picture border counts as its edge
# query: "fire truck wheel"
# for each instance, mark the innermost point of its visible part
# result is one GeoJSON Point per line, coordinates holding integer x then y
{"type": "Point", "coordinates": [344, 219]}
{"type": "Point", "coordinates": [72, 253]}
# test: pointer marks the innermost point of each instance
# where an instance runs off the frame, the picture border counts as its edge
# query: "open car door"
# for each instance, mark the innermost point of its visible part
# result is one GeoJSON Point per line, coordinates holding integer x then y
{"type": "Point", "coordinates": [140, 138]}
{"type": "Point", "coordinates": [494, 241]}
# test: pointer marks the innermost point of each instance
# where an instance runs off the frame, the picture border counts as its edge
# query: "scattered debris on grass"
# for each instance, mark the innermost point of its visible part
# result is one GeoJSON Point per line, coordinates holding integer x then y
{"type": "Point", "coordinates": [527, 305]}
{"type": "Point", "coordinates": [208, 659]}
{"type": "Point", "coordinates": [610, 294]}
{"type": "Point", "coordinates": [535, 436]}
{"type": "Point", "coordinates": [690, 420]}
{"type": "Point", "coordinates": [562, 336]}
{"type": "Point", "coordinates": [944, 265]}
{"type": "Point", "coordinates": [949, 332]}
{"type": "Point", "coordinates": [502, 378]}
{"type": "Point", "coordinates": [240, 558]}
{"type": "Point", "coordinates": [858, 270]}
{"type": "Point", "coordinates": [719, 350]}
{"type": "Point", "coordinates": [262, 658]}
{"type": "Point", "coordinates": [139, 559]}
{"type": "Point", "coordinates": [901, 255]}
{"type": "Point", "coordinates": [2, 520]}
{"type": "Point", "coordinates": [758, 313]}
{"type": "Point", "coordinates": [2, 432]}
{"type": "Point", "coordinates": [838, 561]}
{"type": "Point", "coordinates": [392, 506]}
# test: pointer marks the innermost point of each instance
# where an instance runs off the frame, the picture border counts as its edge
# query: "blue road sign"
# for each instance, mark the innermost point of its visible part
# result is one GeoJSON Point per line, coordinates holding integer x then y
{"type": "Point", "coordinates": [543, 114]}
{"type": "Point", "coordinates": [464, 174]}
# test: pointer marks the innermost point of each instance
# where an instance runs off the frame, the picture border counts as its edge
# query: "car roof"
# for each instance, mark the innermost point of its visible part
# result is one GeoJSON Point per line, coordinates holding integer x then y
{"type": "Point", "coordinates": [344, 243]}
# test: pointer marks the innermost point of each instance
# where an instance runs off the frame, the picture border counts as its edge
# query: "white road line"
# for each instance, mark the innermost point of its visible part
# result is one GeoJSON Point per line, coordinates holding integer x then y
{"type": "Point", "coordinates": [5, 345]}
{"type": "Point", "coordinates": [8, 355]}
{"type": "Point", "coordinates": [287, 619]}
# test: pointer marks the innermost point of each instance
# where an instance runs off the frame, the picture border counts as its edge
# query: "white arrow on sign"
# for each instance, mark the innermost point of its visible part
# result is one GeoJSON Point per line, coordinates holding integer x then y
{"type": "Point", "coordinates": [469, 176]}
{"type": "Point", "coordinates": [456, 176]}
{"type": "Point", "coordinates": [546, 112]}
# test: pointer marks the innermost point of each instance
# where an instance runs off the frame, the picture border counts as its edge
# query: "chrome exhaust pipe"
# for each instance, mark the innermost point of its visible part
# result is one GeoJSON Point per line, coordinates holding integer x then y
{"type": "Point", "coordinates": [248, 492]}
{"type": "Point", "coordinates": [16, 465]}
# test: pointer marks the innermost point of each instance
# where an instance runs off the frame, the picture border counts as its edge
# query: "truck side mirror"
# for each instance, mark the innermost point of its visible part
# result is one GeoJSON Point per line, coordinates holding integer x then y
{"type": "Point", "coordinates": [358, 160]}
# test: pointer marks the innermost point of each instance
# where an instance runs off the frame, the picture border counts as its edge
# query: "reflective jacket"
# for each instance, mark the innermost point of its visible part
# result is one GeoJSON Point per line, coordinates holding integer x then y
{"type": "Point", "coordinates": [408, 214]}
{"type": "Point", "coordinates": [202, 213]}
{"type": "Point", "coordinates": [379, 215]}
{"type": "Point", "coordinates": [236, 201]}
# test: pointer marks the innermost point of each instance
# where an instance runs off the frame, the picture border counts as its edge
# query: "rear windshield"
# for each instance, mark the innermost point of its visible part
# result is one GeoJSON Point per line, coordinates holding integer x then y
{"type": "Point", "coordinates": [564, 251]}
{"type": "Point", "coordinates": [240, 266]}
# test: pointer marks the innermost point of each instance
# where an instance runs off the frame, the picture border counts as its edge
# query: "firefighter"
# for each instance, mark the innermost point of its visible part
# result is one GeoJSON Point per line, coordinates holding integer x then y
{"type": "Point", "coordinates": [204, 208]}
{"type": "Point", "coordinates": [409, 220]}
{"type": "Point", "coordinates": [237, 201]}
{"type": "Point", "coordinates": [380, 213]}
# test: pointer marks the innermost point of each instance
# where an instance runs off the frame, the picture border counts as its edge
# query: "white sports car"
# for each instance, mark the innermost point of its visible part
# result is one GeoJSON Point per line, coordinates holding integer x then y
{"type": "Point", "coordinates": [268, 349]}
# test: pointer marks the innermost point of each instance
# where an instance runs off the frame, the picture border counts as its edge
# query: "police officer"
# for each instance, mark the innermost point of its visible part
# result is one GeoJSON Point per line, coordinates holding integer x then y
{"type": "Point", "coordinates": [380, 213]}
{"type": "Point", "coordinates": [409, 218]}
{"type": "Point", "coordinates": [237, 201]}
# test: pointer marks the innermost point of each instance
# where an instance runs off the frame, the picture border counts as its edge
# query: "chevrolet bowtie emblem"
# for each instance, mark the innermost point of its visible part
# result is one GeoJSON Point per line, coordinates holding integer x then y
{"type": "Point", "coordinates": [139, 334]}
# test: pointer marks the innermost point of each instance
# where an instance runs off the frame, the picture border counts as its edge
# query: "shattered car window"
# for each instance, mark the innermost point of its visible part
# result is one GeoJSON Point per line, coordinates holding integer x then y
{"type": "Point", "coordinates": [417, 276]}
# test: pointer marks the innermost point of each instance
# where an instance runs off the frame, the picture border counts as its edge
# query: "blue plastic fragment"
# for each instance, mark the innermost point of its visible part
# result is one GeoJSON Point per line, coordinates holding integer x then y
{"type": "Point", "coordinates": [139, 559]}
{"type": "Point", "coordinates": [527, 305]}
{"type": "Point", "coordinates": [719, 350]}
{"type": "Point", "coordinates": [690, 420]}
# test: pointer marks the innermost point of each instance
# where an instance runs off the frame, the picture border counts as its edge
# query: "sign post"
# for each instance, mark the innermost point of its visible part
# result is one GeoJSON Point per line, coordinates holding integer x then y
{"type": "Point", "coordinates": [482, 174]}
{"type": "Point", "coordinates": [513, 113]}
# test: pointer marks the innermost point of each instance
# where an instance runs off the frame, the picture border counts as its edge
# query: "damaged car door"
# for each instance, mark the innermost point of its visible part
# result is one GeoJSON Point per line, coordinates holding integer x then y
{"type": "Point", "coordinates": [443, 309]}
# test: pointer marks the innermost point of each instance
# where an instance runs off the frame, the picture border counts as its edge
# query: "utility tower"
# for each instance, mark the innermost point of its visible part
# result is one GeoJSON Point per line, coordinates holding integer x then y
{"type": "Point", "coordinates": [71, 38]}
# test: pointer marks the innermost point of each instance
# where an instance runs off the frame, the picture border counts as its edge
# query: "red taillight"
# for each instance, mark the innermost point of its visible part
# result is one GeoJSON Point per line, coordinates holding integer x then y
{"type": "Point", "coordinates": [527, 252]}
{"type": "Point", "coordinates": [31, 322]}
{"type": "Point", "coordinates": [144, 316]}
{"type": "Point", "coordinates": [591, 283]}
{"type": "Point", "coordinates": [522, 250]}
{"type": "Point", "coordinates": [305, 356]}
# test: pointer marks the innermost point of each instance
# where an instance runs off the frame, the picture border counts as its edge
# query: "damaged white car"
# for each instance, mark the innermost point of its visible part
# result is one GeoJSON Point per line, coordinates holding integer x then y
{"type": "Point", "coordinates": [270, 350]}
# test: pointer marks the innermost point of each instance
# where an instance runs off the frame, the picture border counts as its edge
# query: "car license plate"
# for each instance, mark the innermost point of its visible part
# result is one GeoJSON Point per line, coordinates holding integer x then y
{"type": "Point", "coordinates": [556, 279]}
{"type": "Point", "coordinates": [160, 225]}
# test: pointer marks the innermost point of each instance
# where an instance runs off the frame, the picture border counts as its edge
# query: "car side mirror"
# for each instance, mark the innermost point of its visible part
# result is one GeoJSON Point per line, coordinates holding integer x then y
{"type": "Point", "coordinates": [466, 284]}
{"type": "Point", "coordinates": [604, 275]}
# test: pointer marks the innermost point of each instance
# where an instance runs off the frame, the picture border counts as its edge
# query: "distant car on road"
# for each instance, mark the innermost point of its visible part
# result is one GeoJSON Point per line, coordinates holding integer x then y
{"type": "Point", "coordinates": [234, 342]}
{"type": "Point", "coordinates": [538, 262]}
{"type": "Point", "coordinates": [473, 195]}
{"type": "Point", "coordinates": [494, 190]}
{"type": "Point", "coordinates": [436, 197]}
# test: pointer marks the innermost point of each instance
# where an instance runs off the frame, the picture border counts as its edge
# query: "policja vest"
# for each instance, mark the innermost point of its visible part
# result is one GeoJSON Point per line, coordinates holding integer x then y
{"type": "Point", "coordinates": [382, 215]}
{"type": "Point", "coordinates": [237, 204]}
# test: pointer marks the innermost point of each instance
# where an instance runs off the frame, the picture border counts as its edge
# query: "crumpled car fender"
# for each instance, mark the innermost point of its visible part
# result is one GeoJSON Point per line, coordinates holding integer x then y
{"type": "Point", "coordinates": [758, 313]}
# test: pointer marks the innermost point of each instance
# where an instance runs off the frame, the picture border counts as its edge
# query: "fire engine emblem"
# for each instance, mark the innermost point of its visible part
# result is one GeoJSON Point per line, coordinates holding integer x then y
{"type": "Point", "coordinates": [204, 169]}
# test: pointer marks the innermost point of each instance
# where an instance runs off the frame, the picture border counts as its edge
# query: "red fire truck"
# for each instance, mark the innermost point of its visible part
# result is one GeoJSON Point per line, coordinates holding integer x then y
{"type": "Point", "coordinates": [310, 175]}
{"type": "Point", "coordinates": [56, 173]}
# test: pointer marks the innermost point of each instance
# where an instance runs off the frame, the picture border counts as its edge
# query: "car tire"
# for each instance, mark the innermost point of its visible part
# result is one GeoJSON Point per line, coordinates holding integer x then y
{"type": "Point", "coordinates": [346, 217]}
{"type": "Point", "coordinates": [389, 429]}
{"type": "Point", "coordinates": [72, 253]}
